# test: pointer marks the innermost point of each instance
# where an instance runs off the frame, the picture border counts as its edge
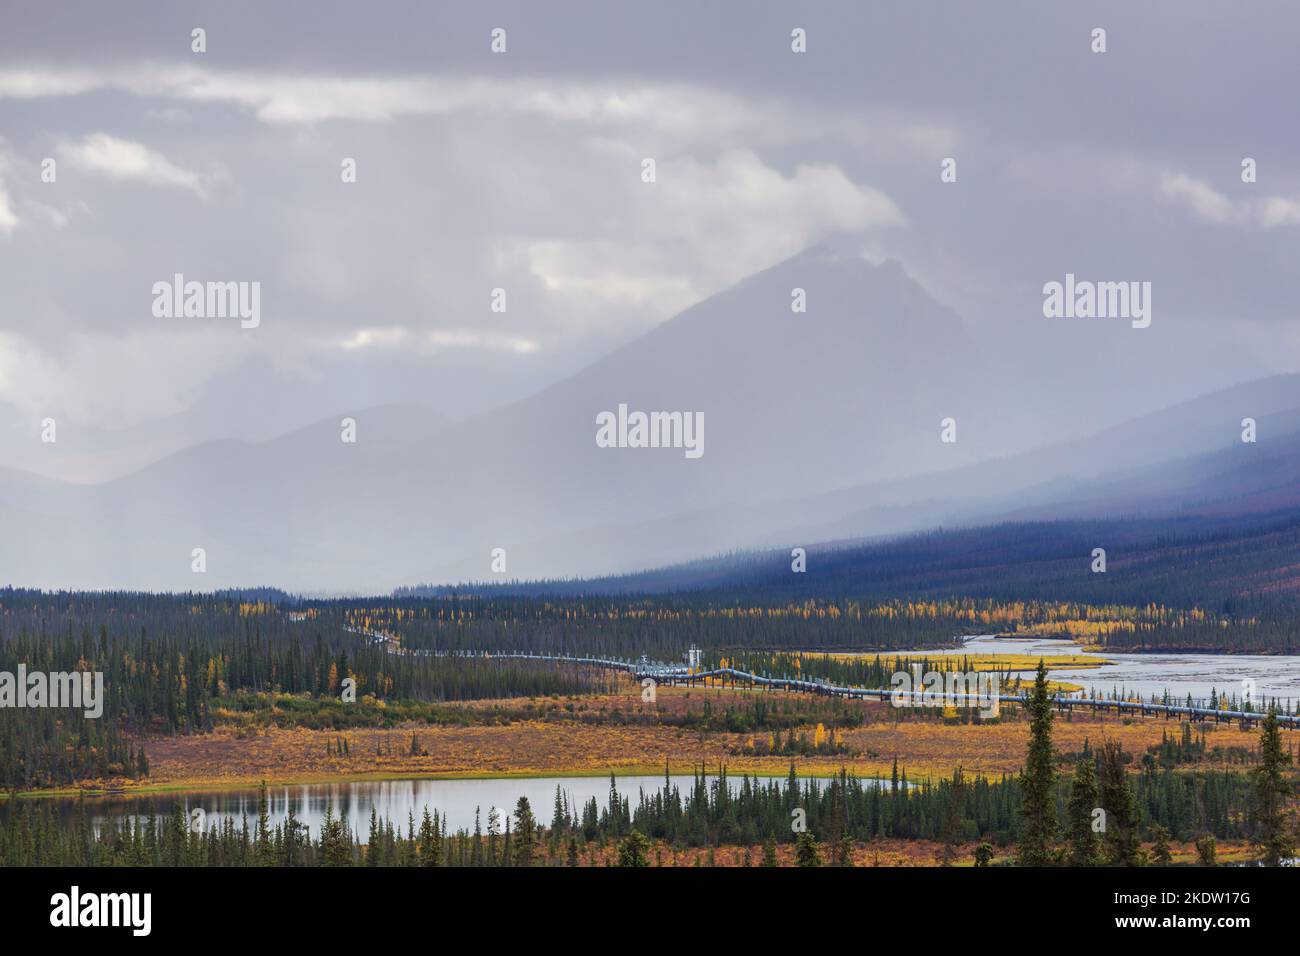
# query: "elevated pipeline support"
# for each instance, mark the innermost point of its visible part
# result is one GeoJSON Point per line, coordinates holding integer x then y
{"type": "Point", "coordinates": [677, 674]}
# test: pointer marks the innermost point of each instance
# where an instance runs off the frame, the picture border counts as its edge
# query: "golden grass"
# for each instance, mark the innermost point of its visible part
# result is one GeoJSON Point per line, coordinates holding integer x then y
{"type": "Point", "coordinates": [985, 662]}
{"type": "Point", "coordinates": [619, 734]}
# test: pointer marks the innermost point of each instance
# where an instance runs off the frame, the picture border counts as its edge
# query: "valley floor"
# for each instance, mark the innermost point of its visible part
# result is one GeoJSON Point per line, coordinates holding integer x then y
{"type": "Point", "coordinates": [619, 734]}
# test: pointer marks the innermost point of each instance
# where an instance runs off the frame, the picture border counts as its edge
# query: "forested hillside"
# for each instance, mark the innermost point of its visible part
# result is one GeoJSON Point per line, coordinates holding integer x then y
{"type": "Point", "coordinates": [1235, 579]}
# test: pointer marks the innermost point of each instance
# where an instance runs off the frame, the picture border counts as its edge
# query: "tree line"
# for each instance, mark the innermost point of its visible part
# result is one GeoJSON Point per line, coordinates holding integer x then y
{"type": "Point", "coordinates": [1108, 812]}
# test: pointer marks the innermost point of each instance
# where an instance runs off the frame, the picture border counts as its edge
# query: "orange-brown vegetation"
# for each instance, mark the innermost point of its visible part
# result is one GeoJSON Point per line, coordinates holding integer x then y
{"type": "Point", "coordinates": [618, 733]}
{"type": "Point", "coordinates": [884, 852]}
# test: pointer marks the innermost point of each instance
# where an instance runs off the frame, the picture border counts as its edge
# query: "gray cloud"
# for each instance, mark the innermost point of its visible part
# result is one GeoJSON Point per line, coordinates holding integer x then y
{"type": "Point", "coordinates": [521, 172]}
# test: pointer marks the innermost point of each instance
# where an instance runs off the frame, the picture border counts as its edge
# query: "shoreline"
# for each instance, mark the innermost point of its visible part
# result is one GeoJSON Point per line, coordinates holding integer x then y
{"type": "Point", "coordinates": [295, 780]}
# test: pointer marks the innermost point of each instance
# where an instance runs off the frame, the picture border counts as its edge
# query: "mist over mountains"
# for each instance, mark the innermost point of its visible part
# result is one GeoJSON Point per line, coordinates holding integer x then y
{"type": "Point", "coordinates": [381, 186]}
{"type": "Point", "coordinates": [820, 425]}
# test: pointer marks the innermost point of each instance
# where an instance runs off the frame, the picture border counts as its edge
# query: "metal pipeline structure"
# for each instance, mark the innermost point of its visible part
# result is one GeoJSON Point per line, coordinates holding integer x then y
{"type": "Point", "coordinates": [672, 674]}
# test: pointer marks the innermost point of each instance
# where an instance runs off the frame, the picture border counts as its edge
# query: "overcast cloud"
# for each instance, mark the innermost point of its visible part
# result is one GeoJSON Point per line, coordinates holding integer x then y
{"type": "Point", "coordinates": [521, 171]}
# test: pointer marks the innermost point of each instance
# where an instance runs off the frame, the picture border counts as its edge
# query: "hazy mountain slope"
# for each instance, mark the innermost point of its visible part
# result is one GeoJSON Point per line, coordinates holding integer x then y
{"type": "Point", "coordinates": [1147, 463]}
{"type": "Point", "coordinates": [848, 395]}
{"type": "Point", "coordinates": [245, 404]}
{"type": "Point", "coordinates": [792, 403]}
{"type": "Point", "coordinates": [1233, 564]}
{"type": "Point", "coordinates": [1146, 466]}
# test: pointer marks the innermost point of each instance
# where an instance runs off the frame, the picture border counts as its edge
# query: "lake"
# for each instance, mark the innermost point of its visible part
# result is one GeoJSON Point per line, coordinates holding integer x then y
{"type": "Point", "coordinates": [391, 799]}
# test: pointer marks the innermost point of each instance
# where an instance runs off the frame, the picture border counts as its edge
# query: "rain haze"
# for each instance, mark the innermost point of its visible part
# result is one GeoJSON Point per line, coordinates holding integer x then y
{"type": "Point", "coordinates": [475, 231]}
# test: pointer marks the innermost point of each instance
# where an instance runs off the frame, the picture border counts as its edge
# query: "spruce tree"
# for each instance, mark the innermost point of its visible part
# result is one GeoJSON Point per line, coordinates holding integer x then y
{"type": "Point", "coordinates": [1160, 853]}
{"type": "Point", "coordinates": [1083, 849]}
{"type": "Point", "coordinates": [335, 841]}
{"type": "Point", "coordinates": [525, 837]}
{"type": "Point", "coordinates": [954, 809]}
{"type": "Point", "coordinates": [262, 847]}
{"type": "Point", "coordinates": [493, 825]}
{"type": "Point", "coordinates": [292, 841]}
{"type": "Point", "coordinates": [1273, 836]}
{"type": "Point", "coordinates": [430, 842]}
{"type": "Point", "coordinates": [632, 851]}
{"type": "Point", "coordinates": [373, 848]}
{"type": "Point", "coordinates": [476, 847]}
{"type": "Point", "coordinates": [559, 821]}
{"type": "Point", "coordinates": [1121, 841]}
{"type": "Point", "coordinates": [1038, 782]}
{"type": "Point", "coordinates": [806, 852]}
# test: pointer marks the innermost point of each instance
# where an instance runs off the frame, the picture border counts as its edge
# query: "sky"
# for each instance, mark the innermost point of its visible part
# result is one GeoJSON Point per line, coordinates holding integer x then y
{"type": "Point", "coordinates": [522, 171]}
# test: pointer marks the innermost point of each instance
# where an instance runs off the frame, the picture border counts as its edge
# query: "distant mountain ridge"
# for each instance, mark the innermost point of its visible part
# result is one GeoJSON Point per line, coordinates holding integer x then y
{"type": "Point", "coordinates": [1240, 506]}
{"type": "Point", "coordinates": [1235, 566]}
{"type": "Point", "coordinates": [820, 425]}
